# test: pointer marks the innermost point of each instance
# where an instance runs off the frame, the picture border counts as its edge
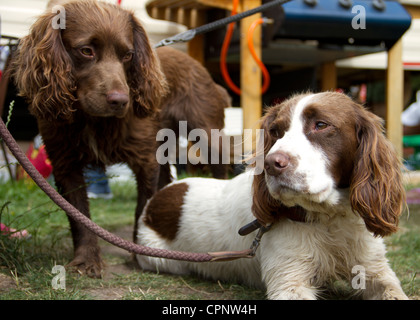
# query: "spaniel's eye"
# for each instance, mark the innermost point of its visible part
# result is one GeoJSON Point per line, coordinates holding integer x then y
{"type": "Point", "coordinates": [128, 56]}
{"type": "Point", "coordinates": [87, 52]}
{"type": "Point", "coordinates": [319, 125]}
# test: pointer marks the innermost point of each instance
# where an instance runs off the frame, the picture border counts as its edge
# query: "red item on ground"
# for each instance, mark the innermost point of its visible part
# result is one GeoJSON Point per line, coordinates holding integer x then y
{"type": "Point", "coordinates": [39, 159]}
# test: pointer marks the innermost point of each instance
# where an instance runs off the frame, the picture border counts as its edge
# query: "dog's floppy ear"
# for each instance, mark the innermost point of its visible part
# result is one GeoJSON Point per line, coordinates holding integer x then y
{"type": "Point", "coordinates": [147, 82]}
{"type": "Point", "coordinates": [376, 190]}
{"type": "Point", "coordinates": [41, 69]}
{"type": "Point", "coordinates": [264, 206]}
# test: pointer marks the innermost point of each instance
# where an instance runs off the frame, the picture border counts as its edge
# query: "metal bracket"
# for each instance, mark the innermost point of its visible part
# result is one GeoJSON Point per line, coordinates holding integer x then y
{"type": "Point", "coordinates": [181, 37]}
{"type": "Point", "coordinates": [250, 253]}
{"type": "Point", "coordinates": [257, 240]}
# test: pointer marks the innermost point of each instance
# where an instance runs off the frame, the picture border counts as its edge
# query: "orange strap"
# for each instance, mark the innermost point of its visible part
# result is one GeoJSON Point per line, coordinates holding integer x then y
{"type": "Point", "coordinates": [225, 48]}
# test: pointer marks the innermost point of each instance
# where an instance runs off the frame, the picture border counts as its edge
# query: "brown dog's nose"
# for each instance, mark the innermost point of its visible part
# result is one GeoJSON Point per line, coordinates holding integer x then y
{"type": "Point", "coordinates": [117, 99]}
{"type": "Point", "coordinates": [275, 163]}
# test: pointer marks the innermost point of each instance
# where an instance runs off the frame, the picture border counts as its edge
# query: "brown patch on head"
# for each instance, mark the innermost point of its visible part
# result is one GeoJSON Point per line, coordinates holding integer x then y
{"type": "Point", "coordinates": [164, 210]}
{"type": "Point", "coordinates": [329, 123]}
{"type": "Point", "coordinates": [277, 121]}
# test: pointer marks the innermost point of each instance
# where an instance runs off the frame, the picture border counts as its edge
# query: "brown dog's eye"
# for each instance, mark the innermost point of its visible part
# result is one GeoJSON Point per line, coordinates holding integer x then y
{"type": "Point", "coordinates": [128, 56]}
{"type": "Point", "coordinates": [87, 52]}
{"type": "Point", "coordinates": [319, 125]}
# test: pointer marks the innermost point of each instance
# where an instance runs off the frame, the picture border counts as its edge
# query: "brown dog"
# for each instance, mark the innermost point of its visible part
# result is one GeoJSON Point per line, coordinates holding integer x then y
{"type": "Point", "coordinates": [96, 89]}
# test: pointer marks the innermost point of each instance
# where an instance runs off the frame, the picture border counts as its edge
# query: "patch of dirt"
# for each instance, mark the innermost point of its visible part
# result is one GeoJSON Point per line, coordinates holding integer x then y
{"type": "Point", "coordinates": [6, 283]}
{"type": "Point", "coordinates": [118, 261]}
{"type": "Point", "coordinates": [107, 293]}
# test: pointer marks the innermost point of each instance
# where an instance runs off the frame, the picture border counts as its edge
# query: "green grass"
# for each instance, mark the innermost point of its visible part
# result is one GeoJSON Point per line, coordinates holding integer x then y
{"type": "Point", "coordinates": [26, 266]}
{"type": "Point", "coordinates": [404, 252]}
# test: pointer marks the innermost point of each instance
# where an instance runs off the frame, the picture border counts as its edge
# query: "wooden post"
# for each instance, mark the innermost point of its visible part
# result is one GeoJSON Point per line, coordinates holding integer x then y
{"type": "Point", "coordinates": [395, 96]}
{"type": "Point", "coordinates": [196, 45]}
{"type": "Point", "coordinates": [328, 76]}
{"type": "Point", "coordinates": [251, 101]}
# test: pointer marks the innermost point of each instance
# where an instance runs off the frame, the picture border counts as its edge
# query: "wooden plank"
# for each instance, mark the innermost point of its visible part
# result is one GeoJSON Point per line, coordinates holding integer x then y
{"type": "Point", "coordinates": [180, 16]}
{"type": "Point", "coordinates": [157, 13]}
{"type": "Point", "coordinates": [196, 48]}
{"type": "Point", "coordinates": [168, 14]}
{"type": "Point", "coordinates": [196, 45]}
{"type": "Point", "coordinates": [328, 76]}
{"type": "Point", "coordinates": [251, 100]}
{"type": "Point", "coordinates": [414, 11]}
{"type": "Point", "coordinates": [395, 96]}
{"type": "Point", "coordinates": [174, 4]}
{"type": "Point", "coordinates": [222, 4]}
{"type": "Point", "coordinates": [156, 4]}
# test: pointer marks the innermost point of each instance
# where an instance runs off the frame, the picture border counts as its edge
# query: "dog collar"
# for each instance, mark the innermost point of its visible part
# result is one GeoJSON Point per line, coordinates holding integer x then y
{"type": "Point", "coordinates": [296, 213]}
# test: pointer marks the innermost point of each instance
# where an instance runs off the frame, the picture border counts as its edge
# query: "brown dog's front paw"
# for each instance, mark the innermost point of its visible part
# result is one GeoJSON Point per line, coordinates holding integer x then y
{"type": "Point", "coordinates": [87, 261]}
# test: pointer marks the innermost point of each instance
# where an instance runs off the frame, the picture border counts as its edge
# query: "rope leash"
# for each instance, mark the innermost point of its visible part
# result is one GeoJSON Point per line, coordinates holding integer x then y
{"type": "Point", "coordinates": [108, 236]}
{"type": "Point", "coordinates": [190, 34]}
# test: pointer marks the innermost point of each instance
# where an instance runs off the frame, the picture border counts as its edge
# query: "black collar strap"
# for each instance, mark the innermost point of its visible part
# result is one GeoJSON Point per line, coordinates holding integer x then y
{"type": "Point", "coordinates": [296, 213]}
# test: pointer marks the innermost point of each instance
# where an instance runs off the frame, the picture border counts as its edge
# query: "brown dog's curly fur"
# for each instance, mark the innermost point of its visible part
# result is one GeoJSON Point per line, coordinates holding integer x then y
{"type": "Point", "coordinates": [195, 98]}
{"type": "Point", "coordinates": [96, 89]}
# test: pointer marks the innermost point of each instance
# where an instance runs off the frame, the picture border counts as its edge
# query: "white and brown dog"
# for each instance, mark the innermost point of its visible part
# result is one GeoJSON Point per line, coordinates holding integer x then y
{"type": "Point", "coordinates": [331, 188]}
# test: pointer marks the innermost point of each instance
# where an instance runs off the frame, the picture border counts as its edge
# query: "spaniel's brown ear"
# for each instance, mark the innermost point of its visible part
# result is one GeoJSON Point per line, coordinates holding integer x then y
{"type": "Point", "coordinates": [41, 69]}
{"type": "Point", "coordinates": [264, 206]}
{"type": "Point", "coordinates": [147, 82]}
{"type": "Point", "coordinates": [264, 137]}
{"type": "Point", "coordinates": [376, 190]}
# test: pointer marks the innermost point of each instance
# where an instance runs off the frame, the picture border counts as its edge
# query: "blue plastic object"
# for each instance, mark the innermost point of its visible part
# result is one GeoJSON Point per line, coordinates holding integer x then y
{"type": "Point", "coordinates": [330, 21]}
